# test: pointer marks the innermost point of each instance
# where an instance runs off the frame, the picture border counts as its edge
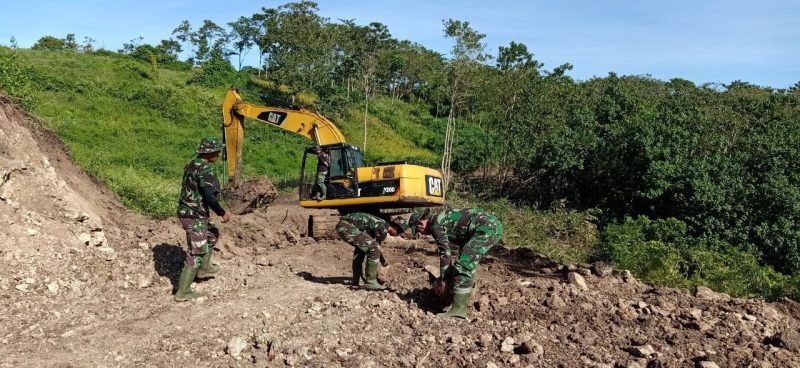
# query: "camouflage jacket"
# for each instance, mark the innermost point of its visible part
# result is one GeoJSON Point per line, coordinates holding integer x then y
{"type": "Point", "coordinates": [375, 226]}
{"type": "Point", "coordinates": [196, 175]}
{"type": "Point", "coordinates": [455, 225]}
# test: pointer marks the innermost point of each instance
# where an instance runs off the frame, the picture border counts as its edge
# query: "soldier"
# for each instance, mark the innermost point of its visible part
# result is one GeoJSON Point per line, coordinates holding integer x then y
{"type": "Point", "coordinates": [323, 166]}
{"type": "Point", "coordinates": [199, 192]}
{"type": "Point", "coordinates": [463, 236]}
{"type": "Point", "coordinates": [365, 232]}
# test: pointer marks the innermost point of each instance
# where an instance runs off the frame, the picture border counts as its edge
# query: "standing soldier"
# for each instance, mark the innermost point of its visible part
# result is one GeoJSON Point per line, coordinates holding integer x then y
{"type": "Point", "coordinates": [463, 236]}
{"type": "Point", "coordinates": [365, 232]}
{"type": "Point", "coordinates": [323, 166]}
{"type": "Point", "coordinates": [199, 192]}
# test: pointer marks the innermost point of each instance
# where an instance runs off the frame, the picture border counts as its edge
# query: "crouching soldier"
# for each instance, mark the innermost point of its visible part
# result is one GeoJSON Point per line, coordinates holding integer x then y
{"type": "Point", "coordinates": [365, 232]}
{"type": "Point", "coordinates": [199, 192]}
{"type": "Point", "coordinates": [464, 236]}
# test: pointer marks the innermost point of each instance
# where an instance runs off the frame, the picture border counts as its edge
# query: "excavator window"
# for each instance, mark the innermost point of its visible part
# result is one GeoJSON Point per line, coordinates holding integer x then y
{"type": "Point", "coordinates": [338, 163]}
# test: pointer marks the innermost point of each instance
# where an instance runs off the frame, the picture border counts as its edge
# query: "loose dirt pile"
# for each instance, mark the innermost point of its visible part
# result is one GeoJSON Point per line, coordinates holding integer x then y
{"type": "Point", "coordinates": [86, 283]}
{"type": "Point", "coordinates": [247, 196]}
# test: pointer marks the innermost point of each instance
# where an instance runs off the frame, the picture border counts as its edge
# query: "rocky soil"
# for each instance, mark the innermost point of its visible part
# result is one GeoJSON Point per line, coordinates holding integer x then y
{"type": "Point", "coordinates": [86, 283]}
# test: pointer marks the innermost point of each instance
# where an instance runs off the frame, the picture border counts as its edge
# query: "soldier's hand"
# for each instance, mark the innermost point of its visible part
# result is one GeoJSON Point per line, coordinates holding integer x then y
{"type": "Point", "coordinates": [226, 217]}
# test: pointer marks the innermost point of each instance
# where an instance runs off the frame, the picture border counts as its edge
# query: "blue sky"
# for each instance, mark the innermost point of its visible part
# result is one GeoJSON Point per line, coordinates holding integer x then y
{"type": "Point", "coordinates": [703, 41]}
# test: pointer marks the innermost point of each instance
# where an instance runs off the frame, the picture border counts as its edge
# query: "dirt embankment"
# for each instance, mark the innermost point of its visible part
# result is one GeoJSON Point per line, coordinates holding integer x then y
{"type": "Point", "coordinates": [85, 282]}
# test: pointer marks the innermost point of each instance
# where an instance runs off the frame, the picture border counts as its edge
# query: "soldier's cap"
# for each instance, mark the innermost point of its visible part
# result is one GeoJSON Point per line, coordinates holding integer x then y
{"type": "Point", "coordinates": [400, 222]}
{"type": "Point", "coordinates": [416, 216]}
{"type": "Point", "coordinates": [210, 145]}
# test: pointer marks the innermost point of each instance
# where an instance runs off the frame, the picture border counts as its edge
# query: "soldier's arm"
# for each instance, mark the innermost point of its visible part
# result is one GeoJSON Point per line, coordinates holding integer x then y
{"type": "Point", "coordinates": [210, 199]}
{"type": "Point", "coordinates": [209, 189]}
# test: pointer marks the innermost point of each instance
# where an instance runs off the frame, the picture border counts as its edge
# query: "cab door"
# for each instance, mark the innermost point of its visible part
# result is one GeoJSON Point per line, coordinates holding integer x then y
{"type": "Point", "coordinates": [342, 175]}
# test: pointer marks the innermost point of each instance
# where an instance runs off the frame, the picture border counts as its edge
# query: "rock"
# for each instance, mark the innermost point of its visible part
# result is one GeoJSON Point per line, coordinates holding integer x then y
{"type": "Point", "coordinates": [643, 351]}
{"type": "Point", "coordinates": [235, 346]}
{"type": "Point", "coordinates": [98, 238]}
{"type": "Point", "coordinates": [627, 276]}
{"type": "Point", "coordinates": [789, 340]}
{"type": "Point", "coordinates": [706, 364]}
{"type": "Point", "coordinates": [455, 339]}
{"type": "Point", "coordinates": [144, 246]}
{"type": "Point", "coordinates": [108, 253]}
{"type": "Point", "coordinates": [507, 345]}
{"type": "Point", "coordinates": [601, 269]}
{"type": "Point", "coordinates": [577, 280]}
{"type": "Point", "coordinates": [32, 231]}
{"type": "Point", "coordinates": [555, 302]}
{"type": "Point", "coordinates": [530, 348]}
{"type": "Point", "coordinates": [491, 365]}
{"type": "Point", "coordinates": [703, 292]}
{"type": "Point", "coordinates": [145, 281]}
{"type": "Point", "coordinates": [22, 287]}
{"type": "Point", "coordinates": [85, 238]}
{"type": "Point", "coordinates": [501, 301]}
{"type": "Point", "coordinates": [485, 340]}
{"type": "Point", "coordinates": [52, 287]}
{"type": "Point", "coordinates": [262, 261]}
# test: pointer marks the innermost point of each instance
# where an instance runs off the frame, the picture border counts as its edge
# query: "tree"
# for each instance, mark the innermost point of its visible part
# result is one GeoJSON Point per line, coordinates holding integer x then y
{"type": "Point", "coordinates": [49, 43]}
{"type": "Point", "coordinates": [466, 54]}
{"type": "Point", "coordinates": [88, 44]}
{"type": "Point", "coordinates": [210, 41]}
{"type": "Point", "coordinates": [244, 32]}
{"type": "Point", "coordinates": [70, 43]}
{"type": "Point", "coordinates": [184, 33]}
{"type": "Point", "coordinates": [130, 46]}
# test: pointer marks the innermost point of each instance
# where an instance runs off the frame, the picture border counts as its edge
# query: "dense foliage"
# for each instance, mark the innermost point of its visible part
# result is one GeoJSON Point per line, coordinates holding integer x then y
{"type": "Point", "coordinates": [687, 184]}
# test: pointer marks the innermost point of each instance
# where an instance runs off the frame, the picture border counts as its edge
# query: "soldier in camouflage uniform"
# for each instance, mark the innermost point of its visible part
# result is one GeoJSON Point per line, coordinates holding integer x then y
{"type": "Point", "coordinates": [365, 232]}
{"type": "Point", "coordinates": [463, 236]}
{"type": "Point", "coordinates": [323, 166]}
{"type": "Point", "coordinates": [199, 192]}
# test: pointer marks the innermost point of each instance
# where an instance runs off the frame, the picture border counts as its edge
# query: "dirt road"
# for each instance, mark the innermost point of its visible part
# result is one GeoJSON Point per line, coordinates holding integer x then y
{"type": "Point", "coordinates": [86, 283]}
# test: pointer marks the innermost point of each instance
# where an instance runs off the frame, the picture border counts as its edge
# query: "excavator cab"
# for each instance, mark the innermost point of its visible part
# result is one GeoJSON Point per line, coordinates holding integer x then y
{"type": "Point", "coordinates": [342, 181]}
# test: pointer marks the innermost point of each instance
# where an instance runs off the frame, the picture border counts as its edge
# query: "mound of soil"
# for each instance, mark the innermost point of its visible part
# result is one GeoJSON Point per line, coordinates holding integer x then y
{"type": "Point", "coordinates": [84, 282]}
{"type": "Point", "coordinates": [247, 196]}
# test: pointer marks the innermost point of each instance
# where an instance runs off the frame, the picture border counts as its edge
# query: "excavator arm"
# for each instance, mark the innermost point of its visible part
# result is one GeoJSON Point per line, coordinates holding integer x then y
{"type": "Point", "coordinates": [299, 121]}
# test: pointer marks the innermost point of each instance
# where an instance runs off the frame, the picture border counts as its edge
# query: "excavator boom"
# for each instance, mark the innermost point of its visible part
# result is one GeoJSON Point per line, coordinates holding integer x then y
{"type": "Point", "coordinates": [299, 121]}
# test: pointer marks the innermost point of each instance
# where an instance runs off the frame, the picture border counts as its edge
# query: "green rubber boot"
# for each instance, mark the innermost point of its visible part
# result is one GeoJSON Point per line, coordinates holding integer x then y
{"type": "Point", "coordinates": [459, 308]}
{"type": "Point", "coordinates": [207, 269]}
{"type": "Point", "coordinates": [372, 276]}
{"type": "Point", "coordinates": [184, 292]}
{"type": "Point", "coordinates": [358, 268]}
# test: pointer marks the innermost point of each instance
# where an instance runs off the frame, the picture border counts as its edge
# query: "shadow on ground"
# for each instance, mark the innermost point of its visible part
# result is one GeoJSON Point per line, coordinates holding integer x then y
{"type": "Point", "coordinates": [324, 280]}
{"type": "Point", "coordinates": [168, 261]}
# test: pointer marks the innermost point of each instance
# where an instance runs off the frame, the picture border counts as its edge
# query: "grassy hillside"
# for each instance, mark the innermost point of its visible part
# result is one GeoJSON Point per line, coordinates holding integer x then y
{"type": "Point", "coordinates": [135, 126]}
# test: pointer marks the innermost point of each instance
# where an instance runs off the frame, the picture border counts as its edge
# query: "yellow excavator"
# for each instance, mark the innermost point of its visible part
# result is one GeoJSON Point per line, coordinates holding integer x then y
{"type": "Point", "coordinates": [351, 186]}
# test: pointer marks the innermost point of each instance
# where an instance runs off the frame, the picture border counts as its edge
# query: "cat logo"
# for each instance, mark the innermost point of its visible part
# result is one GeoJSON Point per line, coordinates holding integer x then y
{"type": "Point", "coordinates": [272, 117]}
{"type": "Point", "coordinates": [434, 187]}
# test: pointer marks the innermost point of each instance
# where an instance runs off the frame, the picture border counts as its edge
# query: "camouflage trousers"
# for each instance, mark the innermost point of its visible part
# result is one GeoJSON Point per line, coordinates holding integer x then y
{"type": "Point", "coordinates": [360, 240]}
{"type": "Point", "coordinates": [322, 188]}
{"type": "Point", "coordinates": [459, 263]}
{"type": "Point", "coordinates": [201, 236]}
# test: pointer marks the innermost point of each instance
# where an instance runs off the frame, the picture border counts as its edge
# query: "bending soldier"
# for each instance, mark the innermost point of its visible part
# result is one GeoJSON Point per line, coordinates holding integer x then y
{"type": "Point", "coordinates": [199, 192]}
{"type": "Point", "coordinates": [365, 232]}
{"type": "Point", "coordinates": [464, 236]}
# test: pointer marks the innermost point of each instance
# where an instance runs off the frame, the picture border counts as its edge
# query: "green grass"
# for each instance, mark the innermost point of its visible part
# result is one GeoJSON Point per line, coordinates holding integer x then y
{"type": "Point", "coordinates": [135, 127]}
